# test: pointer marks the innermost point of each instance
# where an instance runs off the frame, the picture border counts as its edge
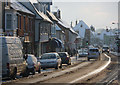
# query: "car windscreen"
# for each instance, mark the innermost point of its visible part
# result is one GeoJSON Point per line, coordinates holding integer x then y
{"type": "Point", "coordinates": [93, 50]}
{"type": "Point", "coordinates": [48, 56]}
{"type": "Point", "coordinates": [62, 54]}
{"type": "Point", "coordinates": [105, 47]}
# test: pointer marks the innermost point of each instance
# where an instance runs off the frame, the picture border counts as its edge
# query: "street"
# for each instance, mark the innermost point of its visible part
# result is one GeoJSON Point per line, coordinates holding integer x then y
{"type": "Point", "coordinates": [82, 72]}
{"type": "Point", "coordinates": [68, 42]}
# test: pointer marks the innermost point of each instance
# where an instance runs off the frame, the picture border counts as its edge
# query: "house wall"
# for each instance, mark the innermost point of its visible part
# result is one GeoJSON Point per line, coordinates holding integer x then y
{"type": "Point", "coordinates": [119, 15]}
{"type": "Point", "coordinates": [87, 37]}
{"type": "Point", "coordinates": [10, 31]}
{"type": "Point", "coordinates": [72, 38]}
{"type": "Point", "coordinates": [1, 11]}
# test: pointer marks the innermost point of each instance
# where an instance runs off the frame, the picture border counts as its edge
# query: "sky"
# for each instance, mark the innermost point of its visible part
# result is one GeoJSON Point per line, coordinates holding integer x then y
{"type": "Point", "coordinates": [96, 13]}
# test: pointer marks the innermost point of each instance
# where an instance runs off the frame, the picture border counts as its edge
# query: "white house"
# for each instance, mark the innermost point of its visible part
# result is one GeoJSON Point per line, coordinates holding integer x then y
{"type": "Point", "coordinates": [83, 33]}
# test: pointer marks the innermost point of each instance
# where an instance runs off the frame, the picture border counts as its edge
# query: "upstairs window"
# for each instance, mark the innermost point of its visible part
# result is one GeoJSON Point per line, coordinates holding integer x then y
{"type": "Point", "coordinates": [24, 24]}
{"type": "Point", "coordinates": [8, 21]}
{"type": "Point", "coordinates": [81, 25]}
{"type": "Point", "coordinates": [20, 22]}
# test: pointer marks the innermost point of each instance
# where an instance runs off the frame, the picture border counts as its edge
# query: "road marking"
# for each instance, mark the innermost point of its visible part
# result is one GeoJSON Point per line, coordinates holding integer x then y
{"type": "Point", "coordinates": [95, 71]}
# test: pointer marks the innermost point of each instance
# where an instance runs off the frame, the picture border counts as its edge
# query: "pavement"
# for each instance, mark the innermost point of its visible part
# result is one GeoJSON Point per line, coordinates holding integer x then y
{"type": "Point", "coordinates": [115, 53]}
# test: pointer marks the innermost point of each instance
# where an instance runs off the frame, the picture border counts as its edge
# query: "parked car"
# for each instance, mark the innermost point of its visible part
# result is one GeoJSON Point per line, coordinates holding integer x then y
{"type": "Point", "coordinates": [33, 65]}
{"type": "Point", "coordinates": [13, 62]}
{"type": "Point", "coordinates": [93, 53]}
{"type": "Point", "coordinates": [83, 52]}
{"type": "Point", "coordinates": [65, 58]}
{"type": "Point", "coordinates": [50, 60]}
{"type": "Point", "coordinates": [105, 49]}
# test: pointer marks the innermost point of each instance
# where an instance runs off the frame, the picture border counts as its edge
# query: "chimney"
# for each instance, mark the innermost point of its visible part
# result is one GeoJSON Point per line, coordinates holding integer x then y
{"type": "Point", "coordinates": [76, 22]}
{"type": "Point", "coordinates": [71, 24]}
{"type": "Point", "coordinates": [7, 3]}
{"type": "Point", "coordinates": [59, 13]}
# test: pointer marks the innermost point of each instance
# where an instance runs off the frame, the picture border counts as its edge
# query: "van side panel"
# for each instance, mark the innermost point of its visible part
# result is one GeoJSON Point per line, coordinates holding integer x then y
{"type": "Point", "coordinates": [5, 58]}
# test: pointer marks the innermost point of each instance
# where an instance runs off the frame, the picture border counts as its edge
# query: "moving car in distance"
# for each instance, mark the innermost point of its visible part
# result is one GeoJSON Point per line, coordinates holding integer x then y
{"type": "Point", "coordinates": [82, 52]}
{"type": "Point", "coordinates": [33, 66]}
{"type": "Point", "coordinates": [105, 49]}
{"type": "Point", "coordinates": [50, 60]}
{"type": "Point", "coordinates": [93, 53]}
{"type": "Point", "coordinates": [65, 58]}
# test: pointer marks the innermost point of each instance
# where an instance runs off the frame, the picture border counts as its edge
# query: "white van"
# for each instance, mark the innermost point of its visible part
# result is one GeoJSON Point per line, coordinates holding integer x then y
{"type": "Point", "coordinates": [13, 62]}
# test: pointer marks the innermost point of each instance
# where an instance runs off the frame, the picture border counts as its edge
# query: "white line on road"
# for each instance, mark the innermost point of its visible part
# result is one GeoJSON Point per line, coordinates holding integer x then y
{"type": "Point", "coordinates": [95, 71]}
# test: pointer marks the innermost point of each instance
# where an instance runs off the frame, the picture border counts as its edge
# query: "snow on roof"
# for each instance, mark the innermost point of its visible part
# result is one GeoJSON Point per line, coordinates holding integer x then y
{"type": "Point", "coordinates": [52, 16]}
{"type": "Point", "coordinates": [19, 7]}
{"type": "Point", "coordinates": [81, 27]}
{"type": "Point", "coordinates": [65, 25]}
{"type": "Point", "coordinates": [38, 13]}
{"type": "Point", "coordinates": [46, 1]}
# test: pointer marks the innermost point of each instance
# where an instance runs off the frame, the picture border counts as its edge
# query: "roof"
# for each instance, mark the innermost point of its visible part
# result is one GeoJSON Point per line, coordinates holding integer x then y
{"type": "Point", "coordinates": [65, 25]}
{"type": "Point", "coordinates": [81, 27]}
{"type": "Point", "coordinates": [57, 27]}
{"type": "Point", "coordinates": [45, 1]}
{"type": "Point", "coordinates": [29, 4]}
{"type": "Point", "coordinates": [52, 16]}
{"type": "Point", "coordinates": [45, 17]}
{"type": "Point", "coordinates": [19, 7]}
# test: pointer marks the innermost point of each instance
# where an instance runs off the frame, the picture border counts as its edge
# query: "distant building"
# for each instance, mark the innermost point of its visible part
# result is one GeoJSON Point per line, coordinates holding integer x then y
{"type": "Point", "coordinates": [108, 37]}
{"type": "Point", "coordinates": [83, 33]}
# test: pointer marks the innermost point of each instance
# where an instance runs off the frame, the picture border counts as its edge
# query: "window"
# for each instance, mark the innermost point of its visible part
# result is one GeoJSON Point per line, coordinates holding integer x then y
{"type": "Point", "coordinates": [20, 22]}
{"type": "Point", "coordinates": [28, 25]}
{"type": "Point", "coordinates": [24, 24]}
{"type": "Point", "coordinates": [6, 3]}
{"type": "Point", "coordinates": [9, 21]}
{"type": "Point", "coordinates": [81, 25]}
{"type": "Point", "coordinates": [17, 21]}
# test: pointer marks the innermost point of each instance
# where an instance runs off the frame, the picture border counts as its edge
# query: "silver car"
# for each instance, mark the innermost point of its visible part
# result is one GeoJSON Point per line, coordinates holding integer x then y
{"type": "Point", "coordinates": [82, 53]}
{"type": "Point", "coordinates": [93, 53]}
{"type": "Point", "coordinates": [50, 60]}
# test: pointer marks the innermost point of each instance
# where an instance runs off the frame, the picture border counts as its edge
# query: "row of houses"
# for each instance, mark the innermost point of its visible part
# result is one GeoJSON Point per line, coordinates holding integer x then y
{"type": "Point", "coordinates": [39, 29]}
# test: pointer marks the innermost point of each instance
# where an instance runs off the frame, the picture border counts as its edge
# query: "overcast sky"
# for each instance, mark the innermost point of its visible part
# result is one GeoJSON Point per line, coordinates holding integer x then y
{"type": "Point", "coordinates": [98, 14]}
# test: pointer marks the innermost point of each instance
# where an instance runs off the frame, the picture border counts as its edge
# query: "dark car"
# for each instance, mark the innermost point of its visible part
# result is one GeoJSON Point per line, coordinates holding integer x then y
{"type": "Point", "coordinates": [65, 58]}
{"type": "Point", "coordinates": [105, 49]}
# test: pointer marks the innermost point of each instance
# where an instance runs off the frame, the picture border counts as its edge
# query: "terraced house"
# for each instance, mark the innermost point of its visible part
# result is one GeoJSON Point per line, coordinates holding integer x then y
{"type": "Point", "coordinates": [19, 21]}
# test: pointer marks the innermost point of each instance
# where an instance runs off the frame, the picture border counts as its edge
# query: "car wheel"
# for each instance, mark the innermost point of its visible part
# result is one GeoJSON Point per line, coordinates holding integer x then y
{"type": "Point", "coordinates": [69, 62]}
{"type": "Point", "coordinates": [43, 68]}
{"type": "Point", "coordinates": [33, 71]}
{"type": "Point", "coordinates": [39, 69]}
{"type": "Point", "coordinates": [61, 65]}
{"type": "Point", "coordinates": [25, 73]}
{"type": "Point", "coordinates": [57, 66]}
{"type": "Point", "coordinates": [14, 74]}
{"type": "Point", "coordinates": [88, 59]}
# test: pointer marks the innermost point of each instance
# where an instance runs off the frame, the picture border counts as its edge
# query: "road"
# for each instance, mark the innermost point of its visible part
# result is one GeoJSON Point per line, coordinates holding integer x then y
{"type": "Point", "coordinates": [81, 71]}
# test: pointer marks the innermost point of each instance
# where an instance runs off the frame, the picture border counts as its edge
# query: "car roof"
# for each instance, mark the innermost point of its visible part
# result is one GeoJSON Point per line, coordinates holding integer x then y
{"type": "Point", "coordinates": [62, 52]}
{"type": "Point", "coordinates": [51, 53]}
{"type": "Point", "coordinates": [93, 48]}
